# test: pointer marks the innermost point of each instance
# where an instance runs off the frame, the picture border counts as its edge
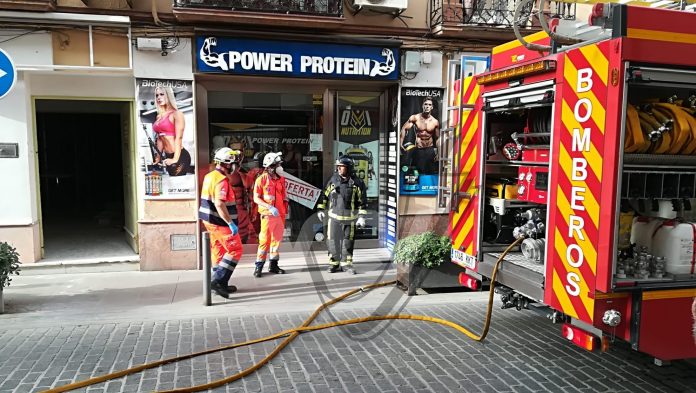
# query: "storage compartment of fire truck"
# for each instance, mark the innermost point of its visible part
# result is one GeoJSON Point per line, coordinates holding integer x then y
{"type": "Point", "coordinates": [517, 136]}
{"type": "Point", "coordinates": [656, 216]}
{"type": "Point", "coordinates": [656, 225]}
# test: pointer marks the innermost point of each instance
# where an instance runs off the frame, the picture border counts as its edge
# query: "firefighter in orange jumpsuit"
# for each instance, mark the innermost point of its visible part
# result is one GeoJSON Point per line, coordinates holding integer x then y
{"type": "Point", "coordinates": [272, 201]}
{"type": "Point", "coordinates": [254, 218]}
{"type": "Point", "coordinates": [219, 214]}
{"type": "Point", "coordinates": [238, 181]}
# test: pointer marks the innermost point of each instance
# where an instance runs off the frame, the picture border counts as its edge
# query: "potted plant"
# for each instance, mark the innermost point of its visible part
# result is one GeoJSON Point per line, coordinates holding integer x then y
{"type": "Point", "coordinates": [423, 261]}
{"type": "Point", "coordinates": [9, 265]}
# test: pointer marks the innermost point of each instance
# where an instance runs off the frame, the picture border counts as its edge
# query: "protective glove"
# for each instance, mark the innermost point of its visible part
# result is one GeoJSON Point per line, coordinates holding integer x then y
{"type": "Point", "coordinates": [233, 228]}
{"type": "Point", "coordinates": [360, 222]}
{"type": "Point", "coordinates": [273, 211]}
{"type": "Point", "coordinates": [321, 215]}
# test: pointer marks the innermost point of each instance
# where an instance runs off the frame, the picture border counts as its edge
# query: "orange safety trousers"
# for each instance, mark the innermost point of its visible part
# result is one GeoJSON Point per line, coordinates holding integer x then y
{"type": "Point", "coordinates": [270, 237]}
{"type": "Point", "coordinates": [224, 246]}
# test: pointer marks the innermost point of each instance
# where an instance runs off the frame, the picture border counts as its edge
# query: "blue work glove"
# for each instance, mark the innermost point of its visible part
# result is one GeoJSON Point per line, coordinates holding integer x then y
{"type": "Point", "coordinates": [233, 228]}
{"type": "Point", "coordinates": [273, 211]}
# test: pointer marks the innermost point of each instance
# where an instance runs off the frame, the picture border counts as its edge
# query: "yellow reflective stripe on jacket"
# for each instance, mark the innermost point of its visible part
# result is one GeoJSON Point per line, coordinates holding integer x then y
{"type": "Point", "coordinates": [344, 207]}
{"type": "Point", "coordinates": [342, 218]}
{"type": "Point", "coordinates": [207, 211]}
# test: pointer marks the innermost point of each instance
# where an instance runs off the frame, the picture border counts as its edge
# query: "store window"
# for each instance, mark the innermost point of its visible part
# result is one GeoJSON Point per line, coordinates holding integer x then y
{"type": "Point", "coordinates": [358, 121]}
{"type": "Point", "coordinates": [259, 123]}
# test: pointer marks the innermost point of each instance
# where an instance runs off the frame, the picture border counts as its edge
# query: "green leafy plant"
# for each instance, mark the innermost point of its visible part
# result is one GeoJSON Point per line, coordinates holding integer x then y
{"type": "Point", "coordinates": [9, 264]}
{"type": "Point", "coordinates": [426, 249]}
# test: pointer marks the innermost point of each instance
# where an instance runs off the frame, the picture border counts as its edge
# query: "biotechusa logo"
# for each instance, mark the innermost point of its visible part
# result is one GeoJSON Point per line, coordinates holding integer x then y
{"type": "Point", "coordinates": [163, 83]}
{"type": "Point", "coordinates": [288, 63]}
{"type": "Point", "coordinates": [273, 141]}
{"type": "Point", "coordinates": [423, 93]}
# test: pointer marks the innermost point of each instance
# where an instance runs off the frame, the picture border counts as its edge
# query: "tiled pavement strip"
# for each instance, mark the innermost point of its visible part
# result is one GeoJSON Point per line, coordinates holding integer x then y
{"type": "Point", "coordinates": [523, 352]}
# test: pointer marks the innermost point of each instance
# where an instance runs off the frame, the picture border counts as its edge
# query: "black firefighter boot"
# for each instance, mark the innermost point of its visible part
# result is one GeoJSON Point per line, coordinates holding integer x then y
{"type": "Point", "coordinates": [335, 268]}
{"type": "Point", "coordinates": [274, 267]}
{"type": "Point", "coordinates": [219, 288]}
{"type": "Point", "coordinates": [258, 271]}
{"type": "Point", "coordinates": [334, 265]}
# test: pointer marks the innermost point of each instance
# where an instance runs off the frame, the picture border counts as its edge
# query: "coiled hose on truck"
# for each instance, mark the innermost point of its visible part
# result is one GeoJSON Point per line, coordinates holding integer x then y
{"type": "Point", "coordinates": [291, 334]}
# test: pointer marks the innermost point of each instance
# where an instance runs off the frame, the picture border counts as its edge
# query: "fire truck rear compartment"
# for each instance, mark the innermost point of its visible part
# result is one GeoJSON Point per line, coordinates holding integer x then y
{"type": "Point", "coordinates": [608, 177]}
{"type": "Point", "coordinates": [517, 136]}
{"type": "Point", "coordinates": [657, 182]}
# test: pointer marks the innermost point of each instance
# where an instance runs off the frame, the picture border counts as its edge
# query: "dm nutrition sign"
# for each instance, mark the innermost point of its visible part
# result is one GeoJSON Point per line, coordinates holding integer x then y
{"type": "Point", "coordinates": [295, 59]}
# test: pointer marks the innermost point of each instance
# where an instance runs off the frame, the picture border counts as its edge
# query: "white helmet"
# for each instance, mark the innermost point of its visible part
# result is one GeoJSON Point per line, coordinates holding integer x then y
{"type": "Point", "coordinates": [225, 155]}
{"type": "Point", "coordinates": [272, 158]}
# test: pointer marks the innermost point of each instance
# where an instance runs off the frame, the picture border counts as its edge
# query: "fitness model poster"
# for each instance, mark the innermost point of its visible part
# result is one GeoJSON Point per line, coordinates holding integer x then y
{"type": "Point", "coordinates": [419, 131]}
{"type": "Point", "coordinates": [165, 138]}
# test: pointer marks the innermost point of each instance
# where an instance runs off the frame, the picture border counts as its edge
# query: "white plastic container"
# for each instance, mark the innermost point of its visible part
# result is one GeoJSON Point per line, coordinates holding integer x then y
{"type": "Point", "coordinates": [675, 242]}
{"type": "Point", "coordinates": [642, 231]}
{"type": "Point", "coordinates": [666, 209]}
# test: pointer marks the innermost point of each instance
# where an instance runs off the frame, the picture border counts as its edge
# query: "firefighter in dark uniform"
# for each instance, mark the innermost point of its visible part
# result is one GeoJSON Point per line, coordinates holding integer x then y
{"type": "Point", "coordinates": [344, 201]}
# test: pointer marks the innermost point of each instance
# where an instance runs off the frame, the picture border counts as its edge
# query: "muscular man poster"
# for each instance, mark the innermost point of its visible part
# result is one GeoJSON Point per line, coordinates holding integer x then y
{"type": "Point", "coordinates": [418, 140]}
{"type": "Point", "coordinates": [426, 129]}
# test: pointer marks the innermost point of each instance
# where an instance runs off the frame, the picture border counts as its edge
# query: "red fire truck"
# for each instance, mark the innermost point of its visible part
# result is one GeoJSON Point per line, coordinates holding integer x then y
{"type": "Point", "coordinates": [587, 155]}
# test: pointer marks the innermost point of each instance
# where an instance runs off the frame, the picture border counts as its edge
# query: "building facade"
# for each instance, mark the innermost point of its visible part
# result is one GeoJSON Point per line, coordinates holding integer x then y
{"type": "Point", "coordinates": [313, 79]}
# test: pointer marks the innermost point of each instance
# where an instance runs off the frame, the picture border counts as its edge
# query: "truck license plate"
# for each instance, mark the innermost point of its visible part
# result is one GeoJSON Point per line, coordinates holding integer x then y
{"type": "Point", "coordinates": [463, 259]}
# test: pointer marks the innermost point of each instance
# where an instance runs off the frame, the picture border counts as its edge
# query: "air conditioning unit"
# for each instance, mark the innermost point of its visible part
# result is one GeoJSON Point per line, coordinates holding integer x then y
{"type": "Point", "coordinates": [384, 5]}
{"type": "Point", "coordinates": [156, 44]}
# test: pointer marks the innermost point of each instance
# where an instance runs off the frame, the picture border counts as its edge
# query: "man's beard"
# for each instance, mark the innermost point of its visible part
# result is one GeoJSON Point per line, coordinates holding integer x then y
{"type": "Point", "coordinates": [230, 169]}
{"type": "Point", "coordinates": [425, 114]}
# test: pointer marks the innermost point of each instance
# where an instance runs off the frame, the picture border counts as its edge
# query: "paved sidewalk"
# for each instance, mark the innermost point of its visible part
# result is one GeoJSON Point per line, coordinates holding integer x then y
{"type": "Point", "coordinates": [68, 327]}
{"type": "Point", "coordinates": [50, 299]}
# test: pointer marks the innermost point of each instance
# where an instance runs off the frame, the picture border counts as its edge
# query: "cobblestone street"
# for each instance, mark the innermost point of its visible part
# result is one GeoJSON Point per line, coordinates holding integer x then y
{"type": "Point", "coordinates": [523, 352]}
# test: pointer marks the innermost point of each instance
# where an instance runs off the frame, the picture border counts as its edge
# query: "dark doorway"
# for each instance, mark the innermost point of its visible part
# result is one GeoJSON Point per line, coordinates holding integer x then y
{"type": "Point", "coordinates": [81, 179]}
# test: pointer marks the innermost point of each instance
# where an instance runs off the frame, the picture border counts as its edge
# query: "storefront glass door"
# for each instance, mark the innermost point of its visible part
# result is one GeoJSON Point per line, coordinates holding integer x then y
{"type": "Point", "coordinates": [259, 123]}
{"type": "Point", "coordinates": [358, 128]}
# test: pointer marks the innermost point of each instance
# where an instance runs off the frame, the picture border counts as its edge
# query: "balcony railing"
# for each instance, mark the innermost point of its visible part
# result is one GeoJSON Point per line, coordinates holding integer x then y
{"type": "Point", "coordinates": [300, 7]}
{"type": "Point", "coordinates": [499, 13]}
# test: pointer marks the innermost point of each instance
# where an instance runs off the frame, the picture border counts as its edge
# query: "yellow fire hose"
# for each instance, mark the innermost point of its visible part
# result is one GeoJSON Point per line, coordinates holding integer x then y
{"type": "Point", "coordinates": [291, 334]}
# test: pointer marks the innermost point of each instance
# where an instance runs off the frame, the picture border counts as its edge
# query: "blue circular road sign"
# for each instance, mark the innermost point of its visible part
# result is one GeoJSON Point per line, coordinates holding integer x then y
{"type": "Point", "coordinates": [8, 73]}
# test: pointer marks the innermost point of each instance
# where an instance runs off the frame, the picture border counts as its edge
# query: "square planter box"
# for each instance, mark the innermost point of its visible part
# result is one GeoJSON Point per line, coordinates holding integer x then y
{"type": "Point", "coordinates": [413, 277]}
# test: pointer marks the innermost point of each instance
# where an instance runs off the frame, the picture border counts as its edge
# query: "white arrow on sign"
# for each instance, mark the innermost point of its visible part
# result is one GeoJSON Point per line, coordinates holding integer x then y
{"type": "Point", "coordinates": [6, 84]}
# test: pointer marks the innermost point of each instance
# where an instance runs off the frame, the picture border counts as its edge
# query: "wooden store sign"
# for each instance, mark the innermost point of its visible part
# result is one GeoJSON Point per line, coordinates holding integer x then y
{"type": "Point", "coordinates": [295, 59]}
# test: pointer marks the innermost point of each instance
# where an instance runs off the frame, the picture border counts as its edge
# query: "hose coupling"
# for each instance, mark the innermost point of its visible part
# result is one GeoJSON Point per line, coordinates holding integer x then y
{"type": "Point", "coordinates": [611, 318]}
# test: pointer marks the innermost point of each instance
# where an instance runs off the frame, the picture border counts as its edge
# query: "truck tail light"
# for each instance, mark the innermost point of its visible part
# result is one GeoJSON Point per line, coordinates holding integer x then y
{"type": "Point", "coordinates": [469, 282]}
{"type": "Point", "coordinates": [580, 337]}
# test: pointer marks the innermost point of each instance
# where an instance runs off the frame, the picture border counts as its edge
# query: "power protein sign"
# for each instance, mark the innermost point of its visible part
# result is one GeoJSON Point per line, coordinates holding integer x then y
{"type": "Point", "coordinates": [295, 59]}
{"type": "Point", "coordinates": [576, 190]}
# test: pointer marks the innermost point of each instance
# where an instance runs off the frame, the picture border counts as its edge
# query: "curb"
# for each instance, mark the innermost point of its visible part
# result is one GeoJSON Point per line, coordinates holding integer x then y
{"type": "Point", "coordinates": [97, 265]}
{"type": "Point", "coordinates": [132, 263]}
